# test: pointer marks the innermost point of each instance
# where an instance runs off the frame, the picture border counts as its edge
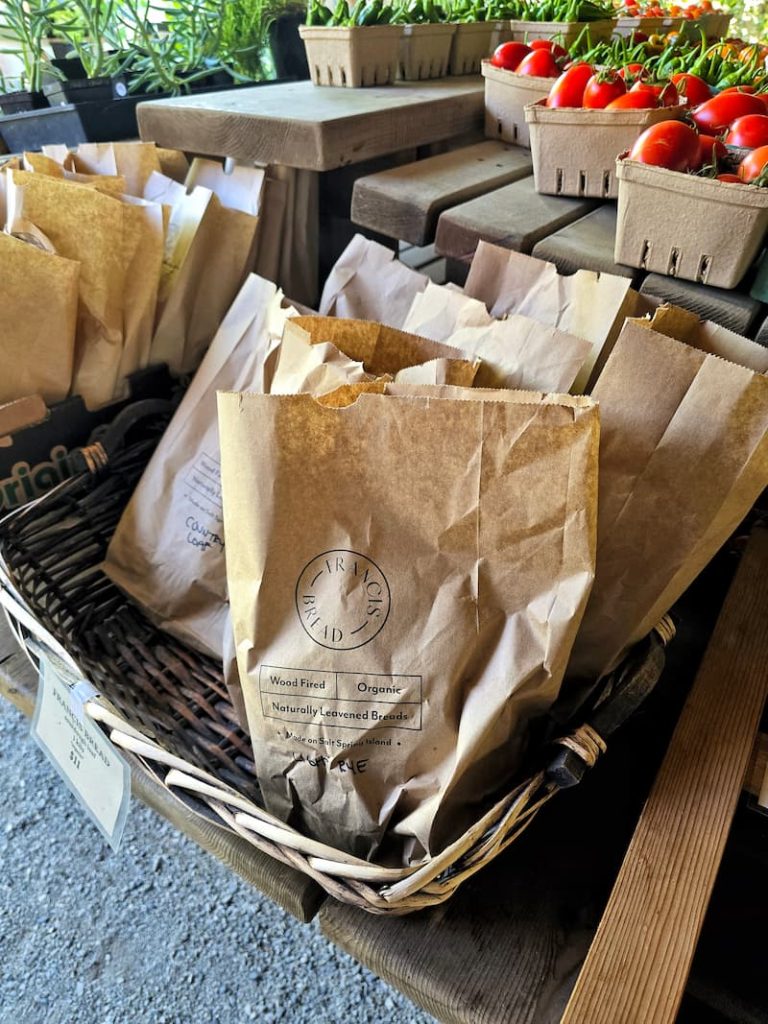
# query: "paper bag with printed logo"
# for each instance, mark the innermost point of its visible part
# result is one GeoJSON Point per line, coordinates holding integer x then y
{"type": "Point", "coordinates": [406, 575]}
{"type": "Point", "coordinates": [683, 457]}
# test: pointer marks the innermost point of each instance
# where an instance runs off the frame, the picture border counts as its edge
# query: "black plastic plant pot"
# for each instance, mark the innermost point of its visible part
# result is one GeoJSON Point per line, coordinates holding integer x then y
{"type": "Point", "coordinates": [287, 47]}
{"type": "Point", "coordinates": [21, 101]}
{"type": "Point", "coordinates": [36, 128]}
{"type": "Point", "coordinates": [81, 90]}
{"type": "Point", "coordinates": [70, 67]}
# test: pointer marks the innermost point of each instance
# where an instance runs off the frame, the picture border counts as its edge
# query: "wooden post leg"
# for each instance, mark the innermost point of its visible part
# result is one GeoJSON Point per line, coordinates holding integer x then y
{"type": "Point", "coordinates": [637, 966]}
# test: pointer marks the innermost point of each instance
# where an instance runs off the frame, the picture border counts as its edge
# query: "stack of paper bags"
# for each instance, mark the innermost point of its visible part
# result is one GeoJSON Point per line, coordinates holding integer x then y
{"type": "Point", "coordinates": [149, 265]}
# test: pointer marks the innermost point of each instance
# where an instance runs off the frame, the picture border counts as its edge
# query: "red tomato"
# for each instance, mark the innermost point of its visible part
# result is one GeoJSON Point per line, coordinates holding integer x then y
{"type": "Point", "coordinates": [694, 89]}
{"type": "Point", "coordinates": [602, 88]}
{"type": "Point", "coordinates": [734, 179]}
{"type": "Point", "coordinates": [539, 63]}
{"type": "Point", "coordinates": [749, 131]}
{"type": "Point", "coordinates": [632, 71]}
{"type": "Point", "coordinates": [509, 55]}
{"type": "Point", "coordinates": [665, 92]}
{"type": "Point", "coordinates": [670, 144]}
{"type": "Point", "coordinates": [748, 89]}
{"type": "Point", "coordinates": [721, 111]}
{"type": "Point", "coordinates": [644, 99]}
{"type": "Point", "coordinates": [555, 49]}
{"type": "Point", "coordinates": [568, 90]}
{"type": "Point", "coordinates": [752, 166]}
{"type": "Point", "coordinates": [711, 150]}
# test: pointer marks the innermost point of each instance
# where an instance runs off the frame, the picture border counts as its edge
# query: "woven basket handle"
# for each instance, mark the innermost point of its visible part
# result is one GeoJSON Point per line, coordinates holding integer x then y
{"type": "Point", "coordinates": [95, 456]}
{"type": "Point", "coordinates": [632, 683]}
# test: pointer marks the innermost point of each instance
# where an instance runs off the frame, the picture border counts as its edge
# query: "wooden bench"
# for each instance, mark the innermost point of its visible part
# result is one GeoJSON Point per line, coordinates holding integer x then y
{"type": "Point", "coordinates": [733, 309]}
{"type": "Point", "coordinates": [405, 202]}
{"type": "Point", "coordinates": [586, 244]}
{"type": "Point", "coordinates": [515, 217]}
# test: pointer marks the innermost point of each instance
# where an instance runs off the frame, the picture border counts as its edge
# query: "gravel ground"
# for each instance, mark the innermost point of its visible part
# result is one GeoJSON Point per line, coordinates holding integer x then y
{"type": "Point", "coordinates": [159, 933]}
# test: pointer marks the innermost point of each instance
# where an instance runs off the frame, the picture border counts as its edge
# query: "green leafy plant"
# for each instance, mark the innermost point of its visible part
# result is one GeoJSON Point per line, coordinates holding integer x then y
{"type": "Point", "coordinates": [86, 25]}
{"type": "Point", "coordinates": [23, 28]}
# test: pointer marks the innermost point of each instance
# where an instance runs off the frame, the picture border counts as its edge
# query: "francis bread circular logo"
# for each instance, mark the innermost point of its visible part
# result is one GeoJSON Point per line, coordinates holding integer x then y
{"type": "Point", "coordinates": [342, 599]}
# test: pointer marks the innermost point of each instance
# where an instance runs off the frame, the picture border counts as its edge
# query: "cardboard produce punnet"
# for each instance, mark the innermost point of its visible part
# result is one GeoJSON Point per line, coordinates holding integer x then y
{"type": "Point", "coordinates": [402, 611]}
{"type": "Point", "coordinates": [586, 304]}
{"type": "Point", "coordinates": [38, 296]}
{"type": "Point", "coordinates": [683, 457]}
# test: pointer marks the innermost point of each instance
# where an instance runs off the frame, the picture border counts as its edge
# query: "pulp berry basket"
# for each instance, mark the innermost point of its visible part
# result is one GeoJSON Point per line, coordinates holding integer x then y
{"type": "Point", "coordinates": [352, 56]}
{"type": "Point", "coordinates": [167, 706]}
{"type": "Point", "coordinates": [506, 96]}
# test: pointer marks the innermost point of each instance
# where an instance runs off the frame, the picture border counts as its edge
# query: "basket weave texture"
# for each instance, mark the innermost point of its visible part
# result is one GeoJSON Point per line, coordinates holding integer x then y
{"type": "Point", "coordinates": [168, 705]}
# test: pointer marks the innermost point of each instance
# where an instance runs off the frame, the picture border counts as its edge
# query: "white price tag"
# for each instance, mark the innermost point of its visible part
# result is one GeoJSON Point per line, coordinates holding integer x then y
{"type": "Point", "coordinates": [80, 752]}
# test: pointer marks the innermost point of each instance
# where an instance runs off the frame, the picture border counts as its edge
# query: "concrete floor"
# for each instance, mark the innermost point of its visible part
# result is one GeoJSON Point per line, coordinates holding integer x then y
{"type": "Point", "coordinates": [159, 933]}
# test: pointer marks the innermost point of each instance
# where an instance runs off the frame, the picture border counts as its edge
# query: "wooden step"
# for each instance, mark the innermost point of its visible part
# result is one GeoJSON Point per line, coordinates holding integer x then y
{"type": "Point", "coordinates": [515, 217]}
{"type": "Point", "coordinates": [587, 244]}
{"type": "Point", "coordinates": [732, 309]}
{"type": "Point", "coordinates": [405, 202]}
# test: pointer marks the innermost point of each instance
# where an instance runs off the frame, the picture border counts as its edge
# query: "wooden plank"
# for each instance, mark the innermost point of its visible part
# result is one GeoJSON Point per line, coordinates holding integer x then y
{"type": "Point", "coordinates": [311, 127]}
{"type": "Point", "coordinates": [638, 964]}
{"type": "Point", "coordinates": [732, 309]}
{"type": "Point", "coordinates": [515, 217]}
{"type": "Point", "coordinates": [586, 244]}
{"type": "Point", "coordinates": [405, 202]}
{"type": "Point", "coordinates": [292, 890]}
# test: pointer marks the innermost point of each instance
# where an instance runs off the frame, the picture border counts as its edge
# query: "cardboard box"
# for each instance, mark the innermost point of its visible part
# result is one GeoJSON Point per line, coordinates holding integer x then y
{"type": "Point", "coordinates": [506, 97]}
{"type": "Point", "coordinates": [352, 56]}
{"type": "Point", "coordinates": [699, 229]}
{"type": "Point", "coordinates": [564, 32]}
{"type": "Point", "coordinates": [472, 42]}
{"type": "Point", "coordinates": [714, 26]}
{"type": "Point", "coordinates": [425, 51]}
{"type": "Point", "coordinates": [651, 26]}
{"type": "Point", "coordinates": [574, 150]}
{"type": "Point", "coordinates": [37, 443]}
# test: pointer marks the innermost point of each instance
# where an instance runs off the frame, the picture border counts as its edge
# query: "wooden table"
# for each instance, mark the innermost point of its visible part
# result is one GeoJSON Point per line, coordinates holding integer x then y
{"type": "Point", "coordinates": [319, 140]}
{"type": "Point", "coordinates": [315, 128]}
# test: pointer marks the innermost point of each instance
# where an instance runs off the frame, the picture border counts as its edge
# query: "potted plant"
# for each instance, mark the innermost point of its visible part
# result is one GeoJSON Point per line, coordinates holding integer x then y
{"type": "Point", "coordinates": [83, 26]}
{"type": "Point", "coordinates": [22, 35]}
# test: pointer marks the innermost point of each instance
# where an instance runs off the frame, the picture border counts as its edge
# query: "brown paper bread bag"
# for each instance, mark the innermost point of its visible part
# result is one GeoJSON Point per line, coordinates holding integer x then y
{"type": "Point", "coordinates": [85, 226]}
{"type": "Point", "coordinates": [167, 551]}
{"type": "Point", "coordinates": [586, 304]}
{"type": "Point", "coordinates": [406, 576]}
{"type": "Point", "coordinates": [204, 285]}
{"type": "Point", "coordinates": [38, 296]}
{"type": "Point", "coordinates": [683, 457]}
{"type": "Point", "coordinates": [385, 350]}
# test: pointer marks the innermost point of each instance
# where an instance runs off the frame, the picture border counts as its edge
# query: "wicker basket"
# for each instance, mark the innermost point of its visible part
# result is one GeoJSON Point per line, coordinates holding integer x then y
{"type": "Point", "coordinates": [168, 707]}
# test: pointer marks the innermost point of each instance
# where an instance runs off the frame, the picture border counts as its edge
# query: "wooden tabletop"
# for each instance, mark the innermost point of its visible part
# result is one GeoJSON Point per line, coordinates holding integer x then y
{"type": "Point", "coordinates": [313, 127]}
